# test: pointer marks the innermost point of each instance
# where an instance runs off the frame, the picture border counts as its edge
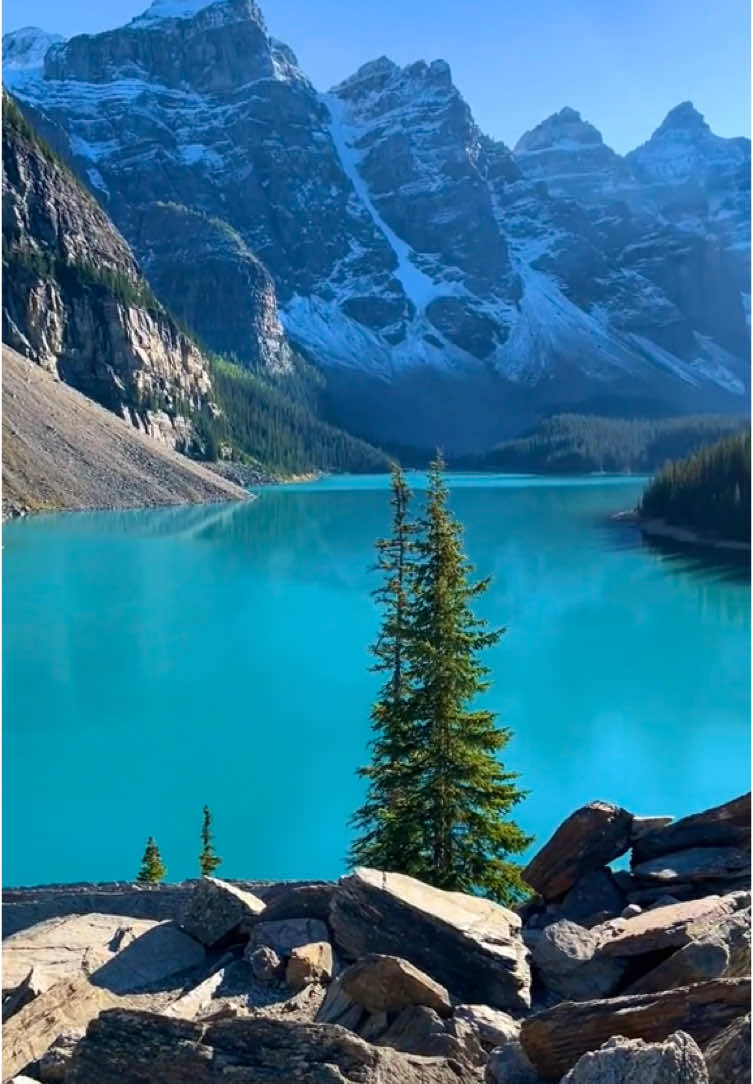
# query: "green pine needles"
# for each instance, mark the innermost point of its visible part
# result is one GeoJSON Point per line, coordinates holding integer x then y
{"type": "Point", "coordinates": [208, 860]}
{"type": "Point", "coordinates": [153, 869]}
{"type": "Point", "coordinates": [438, 797]}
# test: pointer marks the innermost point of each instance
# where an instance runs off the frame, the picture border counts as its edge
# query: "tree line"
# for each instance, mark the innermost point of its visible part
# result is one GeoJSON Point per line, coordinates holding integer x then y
{"type": "Point", "coordinates": [584, 443]}
{"type": "Point", "coordinates": [708, 491]}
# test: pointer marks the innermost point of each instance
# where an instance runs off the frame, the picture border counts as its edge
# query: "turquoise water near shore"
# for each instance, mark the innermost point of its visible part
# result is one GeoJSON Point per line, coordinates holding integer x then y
{"type": "Point", "coordinates": [156, 660]}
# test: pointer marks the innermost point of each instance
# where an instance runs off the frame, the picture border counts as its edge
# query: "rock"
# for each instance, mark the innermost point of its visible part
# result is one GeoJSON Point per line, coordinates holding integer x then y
{"type": "Point", "coordinates": [310, 963]}
{"type": "Point", "coordinates": [661, 928]}
{"type": "Point", "coordinates": [197, 1001]}
{"type": "Point", "coordinates": [338, 1008]}
{"type": "Point", "coordinates": [719, 949]}
{"type": "Point", "coordinates": [508, 1064]}
{"type": "Point", "coordinates": [64, 1007]}
{"type": "Point", "coordinates": [162, 951]}
{"type": "Point", "coordinates": [564, 957]}
{"type": "Point", "coordinates": [286, 934]}
{"type": "Point", "coordinates": [68, 947]}
{"type": "Point", "coordinates": [634, 909]}
{"type": "Point", "coordinates": [694, 864]}
{"type": "Point", "coordinates": [53, 1065]}
{"type": "Point", "coordinates": [216, 909]}
{"type": "Point", "coordinates": [15, 998]}
{"type": "Point", "coordinates": [556, 1038]}
{"type": "Point", "coordinates": [470, 945]}
{"type": "Point", "coordinates": [374, 1026]}
{"type": "Point", "coordinates": [594, 898]}
{"type": "Point", "coordinates": [300, 901]}
{"type": "Point", "coordinates": [624, 1061]}
{"type": "Point", "coordinates": [590, 838]}
{"type": "Point", "coordinates": [697, 962]}
{"type": "Point", "coordinates": [419, 1030]}
{"type": "Point", "coordinates": [494, 1027]}
{"type": "Point", "coordinates": [727, 1056]}
{"type": "Point", "coordinates": [266, 965]}
{"type": "Point", "coordinates": [725, 825]}
{"type": "Point", "coordinates": [642, 826]}
{"type": "Point", "coordinates": [134, 1047]}
{"type": "Point", "coordinates": [389, 984]}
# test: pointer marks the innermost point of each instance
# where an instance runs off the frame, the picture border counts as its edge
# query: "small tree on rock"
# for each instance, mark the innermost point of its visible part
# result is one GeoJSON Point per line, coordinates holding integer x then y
{"type": "Point", "coordinates": [208, 860]}
{"type": "Point", "coordinates": [153, 869]}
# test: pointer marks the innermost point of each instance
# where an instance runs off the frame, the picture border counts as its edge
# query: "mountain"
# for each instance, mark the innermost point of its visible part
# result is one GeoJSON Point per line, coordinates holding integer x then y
{"type": "Point", "coordinates": [76, 302]}
{"type": "Point", "coordinates": [450, 290]}
{"type": "Point", "coordinates": [74, 299]}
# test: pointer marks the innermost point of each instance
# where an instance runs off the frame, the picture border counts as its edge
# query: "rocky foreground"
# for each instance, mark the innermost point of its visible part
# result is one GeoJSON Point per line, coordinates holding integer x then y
{"type": "Point", "coordinates": [639, 976]}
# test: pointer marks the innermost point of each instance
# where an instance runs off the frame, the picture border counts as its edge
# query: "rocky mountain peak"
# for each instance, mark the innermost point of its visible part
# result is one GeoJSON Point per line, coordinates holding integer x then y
{"type": "Point", "coordinates": [24, 52]}
{"type": "Point", "coordinates": [683, 118]}
{"type": "Point", "coordinates": [209, 48]}
{"type": "Point", "coordinates": [564, 130]}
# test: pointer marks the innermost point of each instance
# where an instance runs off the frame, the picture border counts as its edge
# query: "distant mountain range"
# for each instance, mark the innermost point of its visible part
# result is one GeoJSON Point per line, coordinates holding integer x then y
{"type": "Point", "coordinates": [449, 289]}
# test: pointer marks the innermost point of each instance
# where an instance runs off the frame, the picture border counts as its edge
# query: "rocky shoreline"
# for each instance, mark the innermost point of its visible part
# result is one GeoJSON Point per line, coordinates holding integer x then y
{"type": "Point", "coordinates": [659, 528]}
{"type": "Point", "coordinates": [613, 976]}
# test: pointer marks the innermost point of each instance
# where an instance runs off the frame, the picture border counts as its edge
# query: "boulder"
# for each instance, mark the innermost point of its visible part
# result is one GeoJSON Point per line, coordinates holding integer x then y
{"type": "Point", "coordinates": [68, 1005]}
{"type": "Point", "coordinates": [338, 1008]}
{"type": "Point", "coordinates": [67, 948]}
{"type": "Point", "coordinates": [660, 928]}
{"type": "Point", "coordinates": [493, 1027]}
{"type": "Point", "coordinates": [469, 944]}
{"type": "Point", "coordinates": [643, 826]}
{"type": "Point", "coordinates": [216, 909]}
{"type": "Point", "coordinates": [677, 1060]}
{"type": "Point", "coordinates": [590, 838]}
{"type": "Point", "coordinates": [695, 864]}
{"type": "Point", "coordinates": [134, 1047]}
{"type": "Point", "coordinates": [300, 901]}
{"type": "Point", "coordinates": [374, 1026]}
{"type": "Point", "coordinates": [719, 949]}
{"type": "Point", "coordinates": [162, 951]}
{"type": "Point", "coordinates": [15, 998]}
{"type": "Point", "coordinates": [593, 899]}
{"type": "Point", "coordinates": [286, 934]}
{"type": "Point", "coordinates": [509, 1064]}
{"type": "Point", "coordinates": [390, 984]}
{"type": "Point", "coordinates": [310, 963]}
{"type": "Point", "coordinates": [53, 1065]}
{"type": "Point", "coordinates": [556, 1038]}
{"type": "Point", "coordinates": [727, 1056]}
{"type": "Point", "coordinates": [564, 958]}
{"type": "Point", "coordinates": [725, 825]}
{"type": "Point", "coordinates": [266, 965]}
{"type": "Point", "coordinates": [420, 1030]}
{"type": "Point", "coordinates": [198, 1000]}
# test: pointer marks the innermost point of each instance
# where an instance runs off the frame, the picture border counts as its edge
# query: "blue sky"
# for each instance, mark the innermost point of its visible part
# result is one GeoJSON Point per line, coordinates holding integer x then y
{"type": "Point", "coordinates": [622, 63]}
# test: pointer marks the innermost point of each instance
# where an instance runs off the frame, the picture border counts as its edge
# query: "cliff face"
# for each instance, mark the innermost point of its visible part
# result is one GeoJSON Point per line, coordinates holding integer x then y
{"type": "Point", "coordinates": [74, 299]}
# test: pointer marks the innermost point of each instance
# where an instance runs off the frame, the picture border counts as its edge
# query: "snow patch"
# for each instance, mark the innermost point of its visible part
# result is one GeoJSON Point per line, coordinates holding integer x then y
{"type": "Point", "coordinates": [419, 287]}
{"type": "Point", "coordinates": [24, 52]}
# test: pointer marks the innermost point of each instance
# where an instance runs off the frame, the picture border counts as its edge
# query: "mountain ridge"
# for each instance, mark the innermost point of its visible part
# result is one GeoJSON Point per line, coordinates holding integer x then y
{"type": "Point", "coordinates": [415, 260]}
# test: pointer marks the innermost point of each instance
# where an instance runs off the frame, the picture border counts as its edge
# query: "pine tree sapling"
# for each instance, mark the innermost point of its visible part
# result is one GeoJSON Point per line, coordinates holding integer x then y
{"type": "Point", "coordinates": [152, 869]}
{"type": "Point", "coordinates": [208, 860]}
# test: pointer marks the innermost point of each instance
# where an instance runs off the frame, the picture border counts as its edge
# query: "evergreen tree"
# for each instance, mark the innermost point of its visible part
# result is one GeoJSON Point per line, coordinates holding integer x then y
{"type": "Point", "coordinates": [152, 869]}
{"type": "Point", "coordinates": [208, 860]}
{"type": "Point", "coordinates": [464, 793]}
{"type": "Point", "coordinates": [387, 832]}
{"type": "Point", "coordinates": [438, 795]}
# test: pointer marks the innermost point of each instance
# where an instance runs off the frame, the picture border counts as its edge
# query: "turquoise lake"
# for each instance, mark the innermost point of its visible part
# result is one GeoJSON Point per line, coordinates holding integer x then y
{"type": "Point", "coordinates": [157, 660]}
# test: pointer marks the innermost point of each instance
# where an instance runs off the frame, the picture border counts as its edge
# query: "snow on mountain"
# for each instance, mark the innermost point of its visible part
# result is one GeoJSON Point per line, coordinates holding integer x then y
{"type": "Point", "coordinates": [24, 52]}
{"type": "Point", "coordinates": [451, 286]}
